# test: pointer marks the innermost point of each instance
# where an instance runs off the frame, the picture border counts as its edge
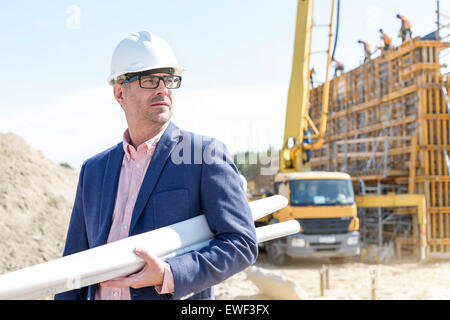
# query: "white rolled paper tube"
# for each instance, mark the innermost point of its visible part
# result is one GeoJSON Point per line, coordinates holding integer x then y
{"type": "Point", "coordinates": [102, 263]}
{"type": "Point", "coordinates": [265, 206]}
{"type": "Point", "coordinates": [114, 259]}
{"type": "Point", "coordinates": [266, 233]}
{"type": "Point", "coordinates": [259, 208]}
{"type": "Point", "coordinates": [277, 230]}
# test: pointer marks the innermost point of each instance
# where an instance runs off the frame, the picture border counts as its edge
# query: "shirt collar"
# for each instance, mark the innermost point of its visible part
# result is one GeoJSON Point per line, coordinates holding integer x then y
{"type": "Point", "coordinates": [146, 147]}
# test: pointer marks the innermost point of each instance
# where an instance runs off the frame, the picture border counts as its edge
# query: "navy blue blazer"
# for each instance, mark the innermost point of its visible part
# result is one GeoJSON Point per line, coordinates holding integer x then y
{"type": "Point", "coordinates": [188, 175]}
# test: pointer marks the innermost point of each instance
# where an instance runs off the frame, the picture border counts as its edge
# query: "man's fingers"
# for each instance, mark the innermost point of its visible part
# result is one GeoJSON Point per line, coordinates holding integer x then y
{"type": "Point", "coordinates": [150, 259]}
{"type": "Point", "coordinates": [121, 282]}
{"type": "Point", "coordinates": [135, 281]}
{"type": "Point", "coordinates": [140, 279]}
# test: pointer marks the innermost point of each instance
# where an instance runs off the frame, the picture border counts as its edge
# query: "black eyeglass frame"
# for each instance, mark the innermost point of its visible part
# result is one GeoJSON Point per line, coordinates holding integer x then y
{"type": "Point", "coordinates": [138, 77]}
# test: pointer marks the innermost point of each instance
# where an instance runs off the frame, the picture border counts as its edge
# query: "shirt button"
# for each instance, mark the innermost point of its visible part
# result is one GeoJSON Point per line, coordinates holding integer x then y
{"type": "Point", "coordinates": [138, 165]}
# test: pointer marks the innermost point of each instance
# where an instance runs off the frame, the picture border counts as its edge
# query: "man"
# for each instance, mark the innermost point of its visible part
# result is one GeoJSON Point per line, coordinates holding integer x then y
{"type": "Point", "coordinates": [155, 178]}
{"type": "Point", "coordinates": [367, 52]}
{"type": "Point", "coordinates": [386, 39]}
{"type": "Point", "coordinates": [312, 74]}
{"type": "Point", "coordinates": [405, 30]}
{"type": "Point", "coordinates": [307, 140]}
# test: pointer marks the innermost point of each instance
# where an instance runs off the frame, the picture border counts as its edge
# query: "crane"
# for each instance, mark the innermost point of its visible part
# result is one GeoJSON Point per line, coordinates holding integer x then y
{"type": "Point", "coordinates": [323, 202]}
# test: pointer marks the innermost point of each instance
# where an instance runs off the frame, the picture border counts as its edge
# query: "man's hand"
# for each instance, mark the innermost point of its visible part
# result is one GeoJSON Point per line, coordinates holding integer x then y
{"type": "Point", "coordinates": [152, 274]}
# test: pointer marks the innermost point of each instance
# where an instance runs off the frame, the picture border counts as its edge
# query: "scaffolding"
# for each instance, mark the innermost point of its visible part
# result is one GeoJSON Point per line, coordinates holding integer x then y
{"type": "Point", "coordinates": [389, 128]}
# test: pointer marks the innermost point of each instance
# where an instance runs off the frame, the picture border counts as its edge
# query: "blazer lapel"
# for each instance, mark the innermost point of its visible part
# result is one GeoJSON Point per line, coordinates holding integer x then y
{"type": "Point", "coordinates": [108, 195]}
{"type": "Point", "coordinates": [163, 150]}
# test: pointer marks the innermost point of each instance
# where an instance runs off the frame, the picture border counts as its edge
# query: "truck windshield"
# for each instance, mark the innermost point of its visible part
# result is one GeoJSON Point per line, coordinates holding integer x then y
{"type": "Point", "coordinates": [321, 192]}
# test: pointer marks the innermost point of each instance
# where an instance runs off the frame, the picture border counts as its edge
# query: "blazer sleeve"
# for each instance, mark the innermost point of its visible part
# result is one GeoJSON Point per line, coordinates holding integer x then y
{"type": "Point", "coordinates": [229, 217]}
{"type": "Point", "coordinates": [76, 240]}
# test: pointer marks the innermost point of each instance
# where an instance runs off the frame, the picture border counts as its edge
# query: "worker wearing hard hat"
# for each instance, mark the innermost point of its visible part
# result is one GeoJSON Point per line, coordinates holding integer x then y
{"type": "Point", "coordinates": [405, 30]}
{"type": "Point", "coordinates": [367, 52]}
{"type": "Point", "coordinates": [386, 39]}
{"type": "Point", "coordinates": [312, 74]}
{"type": "Point", "coordinates": [154, 178]}
{"type": "Point", "coordinates": [307, 140]}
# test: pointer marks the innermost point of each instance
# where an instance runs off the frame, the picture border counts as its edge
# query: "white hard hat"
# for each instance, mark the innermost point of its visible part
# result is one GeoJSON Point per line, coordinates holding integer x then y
{"type": "Point", "coordinates": [141, 51]}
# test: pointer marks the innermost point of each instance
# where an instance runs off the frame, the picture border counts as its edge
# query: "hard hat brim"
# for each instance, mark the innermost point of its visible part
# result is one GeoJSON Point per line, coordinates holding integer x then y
{"type": "Point", "coordinates": [112, 78]}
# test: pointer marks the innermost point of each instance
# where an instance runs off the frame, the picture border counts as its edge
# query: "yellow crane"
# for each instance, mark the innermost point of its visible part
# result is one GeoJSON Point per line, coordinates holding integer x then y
{"type": "Point", "coordinates": [297, 118]}
{"type": "Point", "coordinates": [323, 202]}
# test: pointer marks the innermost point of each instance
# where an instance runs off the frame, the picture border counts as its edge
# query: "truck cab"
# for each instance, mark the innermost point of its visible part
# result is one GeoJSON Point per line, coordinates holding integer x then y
{"type": "Point", "coordinates": [324, 205]}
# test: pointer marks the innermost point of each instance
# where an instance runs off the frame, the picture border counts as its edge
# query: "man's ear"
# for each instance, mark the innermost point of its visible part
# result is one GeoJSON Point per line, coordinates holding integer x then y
{"type": "Point", "coordinates": [118, 93]}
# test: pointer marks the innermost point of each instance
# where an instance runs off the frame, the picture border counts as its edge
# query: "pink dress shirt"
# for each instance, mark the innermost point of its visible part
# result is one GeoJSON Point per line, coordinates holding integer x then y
{"type": "Point", "coordinates": [134, 166]}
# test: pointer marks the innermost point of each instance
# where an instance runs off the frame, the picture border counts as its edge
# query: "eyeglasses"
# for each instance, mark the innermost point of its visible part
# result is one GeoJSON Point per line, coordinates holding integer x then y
{"type": "Point", "coordinates": [152, 82]}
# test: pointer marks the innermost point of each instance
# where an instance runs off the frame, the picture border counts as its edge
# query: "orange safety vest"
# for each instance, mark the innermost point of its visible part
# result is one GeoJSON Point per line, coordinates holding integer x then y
{"type": "Point", "coordinates": [406, 22]}
{"type": "Point", "coordinates": [387, 39]}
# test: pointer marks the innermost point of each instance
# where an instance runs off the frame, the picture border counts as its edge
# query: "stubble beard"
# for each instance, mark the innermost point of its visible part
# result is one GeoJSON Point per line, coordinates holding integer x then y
{"type": "Point", "coordinates": [159, 117]}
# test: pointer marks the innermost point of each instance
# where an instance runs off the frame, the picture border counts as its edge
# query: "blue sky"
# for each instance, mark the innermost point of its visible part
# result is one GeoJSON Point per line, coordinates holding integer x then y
{"type": "Point", "coordinates": [238, 56]}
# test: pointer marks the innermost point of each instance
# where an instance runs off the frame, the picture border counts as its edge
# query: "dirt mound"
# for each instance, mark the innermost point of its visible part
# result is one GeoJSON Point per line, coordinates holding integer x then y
{"type": "Point", "coordinates": [36, 199]}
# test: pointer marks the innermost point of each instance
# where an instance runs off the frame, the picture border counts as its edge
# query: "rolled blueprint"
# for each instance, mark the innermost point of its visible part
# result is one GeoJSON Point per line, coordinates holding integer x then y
{"type": "Point", "coordinates": [116, 259]}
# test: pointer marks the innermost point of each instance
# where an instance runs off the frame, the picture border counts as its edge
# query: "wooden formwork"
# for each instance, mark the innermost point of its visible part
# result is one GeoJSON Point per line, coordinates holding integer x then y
{"type": "Point", "coordinates": [389, 126]}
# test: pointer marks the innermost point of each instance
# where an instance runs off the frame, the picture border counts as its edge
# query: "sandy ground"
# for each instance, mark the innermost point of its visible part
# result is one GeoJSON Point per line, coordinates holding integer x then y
{"type": "Point", "coordinates": [36, 198]}
{"type": "Point", "coordinates": [350, 281]}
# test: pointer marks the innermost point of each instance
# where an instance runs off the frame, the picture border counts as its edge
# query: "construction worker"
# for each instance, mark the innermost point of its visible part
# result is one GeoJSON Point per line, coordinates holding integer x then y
{"type": "Point", "coordinates": [307, 141]}
{"type": "Point", "coordinates": [143, 183]}
{"type": "Point", "coordinates": [405, 30]}
{"type": "Point", "coordinates": [367, 52]}
{"type": "Point", "coordinates": [386, 39]}
{"type": "Point", "coordinates": [339, 66]}
{"type": "Point", "coordinates": [312, 74]}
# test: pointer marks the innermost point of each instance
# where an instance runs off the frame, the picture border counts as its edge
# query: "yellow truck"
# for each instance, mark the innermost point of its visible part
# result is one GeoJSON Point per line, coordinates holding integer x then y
{"type": "Point", "coordinates": [323, 202]}
{"type": "Point", "coordinates": [324, 205]}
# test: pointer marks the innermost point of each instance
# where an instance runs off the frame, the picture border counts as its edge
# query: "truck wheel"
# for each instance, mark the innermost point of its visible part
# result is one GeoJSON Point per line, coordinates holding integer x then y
{"type": "Point", "coordinates": [275, 252]}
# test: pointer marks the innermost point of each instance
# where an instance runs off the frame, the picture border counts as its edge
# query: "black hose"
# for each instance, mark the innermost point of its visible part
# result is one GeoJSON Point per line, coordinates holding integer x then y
{"type": "Point", "coordinates": [338, 15]}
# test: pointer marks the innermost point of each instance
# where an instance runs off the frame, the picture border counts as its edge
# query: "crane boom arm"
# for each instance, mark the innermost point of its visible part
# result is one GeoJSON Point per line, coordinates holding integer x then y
{"type": "Point", "coordinates": [291, 159]}
{"type": "Point", "coordinates": [298, 95]}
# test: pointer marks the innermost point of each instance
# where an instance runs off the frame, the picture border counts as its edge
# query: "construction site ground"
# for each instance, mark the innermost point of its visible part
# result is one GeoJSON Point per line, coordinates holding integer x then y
{"type": "Point", "coordinates": [409, 280]}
